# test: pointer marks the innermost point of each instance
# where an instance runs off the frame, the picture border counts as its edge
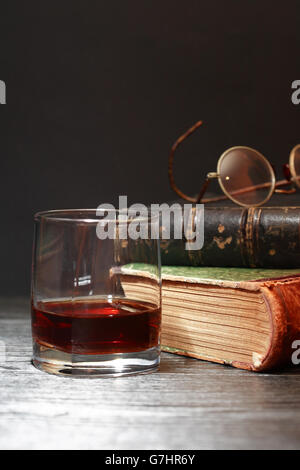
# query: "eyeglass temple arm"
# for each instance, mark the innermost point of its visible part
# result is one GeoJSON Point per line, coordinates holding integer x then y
{"type": "Point", "coordinates": [204, 188]}
{"type": "Point", "coordinates": [244, 190]}
{"type": "Point", "coordinates": [289, 180]}
{"type": "Point", "coordinates": [284, 191]}
{"type": "Point", "coordinates": [241, 191]}
{"type": "Point", "coordinates": [171, 160]}
{"type": "Point", "coordinates": [278, 184]}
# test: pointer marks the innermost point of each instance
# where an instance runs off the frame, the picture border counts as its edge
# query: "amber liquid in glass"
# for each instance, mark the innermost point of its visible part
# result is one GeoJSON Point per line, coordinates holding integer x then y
{"type": "Point", "coordinates": [96, 326]}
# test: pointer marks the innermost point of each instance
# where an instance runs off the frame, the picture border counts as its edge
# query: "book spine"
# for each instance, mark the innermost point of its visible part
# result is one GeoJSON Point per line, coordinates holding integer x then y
{"type": "Point", "coordinates": [260, 237]}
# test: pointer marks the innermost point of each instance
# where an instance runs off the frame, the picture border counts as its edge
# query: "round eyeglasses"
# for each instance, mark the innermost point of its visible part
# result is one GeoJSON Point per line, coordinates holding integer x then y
{"type": "Point", "coordinates": [244, 175]}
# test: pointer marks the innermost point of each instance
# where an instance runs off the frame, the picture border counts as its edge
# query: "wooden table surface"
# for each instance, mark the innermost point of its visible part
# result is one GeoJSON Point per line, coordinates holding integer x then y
{"type": "Point", "coordinates": [188, 404]}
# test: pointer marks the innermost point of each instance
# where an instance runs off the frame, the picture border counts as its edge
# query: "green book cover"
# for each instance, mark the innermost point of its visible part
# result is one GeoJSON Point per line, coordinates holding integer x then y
{"type": "Point", "coordinates": [197, 274]}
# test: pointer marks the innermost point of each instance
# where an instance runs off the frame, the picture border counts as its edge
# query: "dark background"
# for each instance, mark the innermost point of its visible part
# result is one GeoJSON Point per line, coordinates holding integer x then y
{"type": "Point", "coordinates": [98, 91]}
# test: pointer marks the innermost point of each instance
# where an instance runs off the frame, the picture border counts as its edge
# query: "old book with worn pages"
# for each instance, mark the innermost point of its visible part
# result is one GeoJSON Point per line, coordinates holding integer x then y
{"type": "Point", "coordinates": [247, 318]}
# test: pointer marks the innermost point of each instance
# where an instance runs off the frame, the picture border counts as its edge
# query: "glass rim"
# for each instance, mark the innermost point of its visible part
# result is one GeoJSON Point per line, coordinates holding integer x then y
{"type": "Point", "coordinates": [264, 159]}
{"type": "Point", "coordinates": [65, 215]}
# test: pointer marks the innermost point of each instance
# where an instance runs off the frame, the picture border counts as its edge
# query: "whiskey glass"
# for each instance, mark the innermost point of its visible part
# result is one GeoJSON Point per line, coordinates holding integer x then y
{"type": "Point", "coordinates": [96, 301]}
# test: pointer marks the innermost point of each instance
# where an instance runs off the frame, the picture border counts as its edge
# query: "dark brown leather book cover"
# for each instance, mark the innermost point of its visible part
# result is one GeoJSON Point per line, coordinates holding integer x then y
{"type": "Point", "coordinates": [263, 237]}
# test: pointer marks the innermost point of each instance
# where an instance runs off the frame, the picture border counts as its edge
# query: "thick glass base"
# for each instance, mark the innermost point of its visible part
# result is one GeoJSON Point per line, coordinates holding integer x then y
{"type": "Point", "coordinates": [57, 362]}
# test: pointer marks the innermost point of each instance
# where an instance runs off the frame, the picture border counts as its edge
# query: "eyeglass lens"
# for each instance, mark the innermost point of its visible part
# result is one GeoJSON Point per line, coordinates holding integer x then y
{"type": "Point", "coordinates": [246, 176]}
{"type": "Point", "coordinates": [296, 164]}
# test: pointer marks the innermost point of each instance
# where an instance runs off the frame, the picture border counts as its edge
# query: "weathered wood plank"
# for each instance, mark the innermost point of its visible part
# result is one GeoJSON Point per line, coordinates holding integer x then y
{"type": "Point", "coordinates": [188, 404]}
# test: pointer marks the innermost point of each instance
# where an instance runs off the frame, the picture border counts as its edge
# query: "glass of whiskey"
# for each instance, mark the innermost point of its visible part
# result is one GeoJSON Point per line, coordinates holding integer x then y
{"type": "Point", "coordinates": [96, 293]}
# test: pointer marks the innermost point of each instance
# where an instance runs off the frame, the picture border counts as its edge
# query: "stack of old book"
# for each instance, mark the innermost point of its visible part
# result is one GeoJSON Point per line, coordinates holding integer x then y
{"type": "Point", "coordinates": [237, 300]}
